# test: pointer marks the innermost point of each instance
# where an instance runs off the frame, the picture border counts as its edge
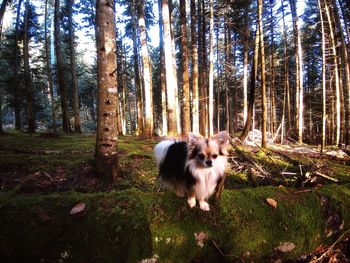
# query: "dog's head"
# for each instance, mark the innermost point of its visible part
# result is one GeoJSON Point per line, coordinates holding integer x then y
{"type": "Point", "coordinates": [206, 151]}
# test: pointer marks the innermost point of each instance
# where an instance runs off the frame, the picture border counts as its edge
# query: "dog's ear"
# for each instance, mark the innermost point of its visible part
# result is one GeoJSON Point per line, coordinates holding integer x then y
{"type": "Point", "coordinates": [222, 139]}
{"type": "Point", "coordinates": [193, 138]}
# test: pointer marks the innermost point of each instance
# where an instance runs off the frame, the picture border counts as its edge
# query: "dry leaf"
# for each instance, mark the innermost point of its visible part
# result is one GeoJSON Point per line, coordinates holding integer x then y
{"type": "Point", "coordinates": [271, 202]}
{"type": "Point", "coordinates": [285, 247]}
{"type": "Point", "coordinates": [78, 208]}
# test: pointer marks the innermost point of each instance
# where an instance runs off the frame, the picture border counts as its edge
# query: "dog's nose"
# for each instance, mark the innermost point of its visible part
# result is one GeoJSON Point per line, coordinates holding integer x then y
{"type": "Point", "coordinates": [209, 163]}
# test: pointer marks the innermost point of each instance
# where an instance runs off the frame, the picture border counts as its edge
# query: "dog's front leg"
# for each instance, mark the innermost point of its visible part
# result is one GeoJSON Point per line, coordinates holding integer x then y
{"type": "Point", "coordinates": [203, 204]}
{"type": "Point", "coordinates": [191, 200]}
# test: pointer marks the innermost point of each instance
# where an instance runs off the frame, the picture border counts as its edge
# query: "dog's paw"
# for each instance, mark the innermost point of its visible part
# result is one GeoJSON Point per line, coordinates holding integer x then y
{"type": "Point", "coordinates": [204, 206]}
{"type": "Point", "coordinates": [191, 201]}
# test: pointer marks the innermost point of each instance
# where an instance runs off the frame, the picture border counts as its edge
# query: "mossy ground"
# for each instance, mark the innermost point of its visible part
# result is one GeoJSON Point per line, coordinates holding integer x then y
{"type": "Point", "coordinates": [135, 219]}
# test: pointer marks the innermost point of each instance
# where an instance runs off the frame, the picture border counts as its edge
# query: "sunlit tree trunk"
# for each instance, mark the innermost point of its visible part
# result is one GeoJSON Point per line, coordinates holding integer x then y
{"type": "Point", "coordinates": [2, 13]}
{"type": "Point", "coordinates": [16, 90]}
{"type": "Point", "coordinates": [253, 74]}
{"type": "Point", "coordinates": [137, 79]}
{"type": "Point", "coordinates": [106, 158]}
{"type": "Point", "coordinates": [186, 125]}
{"type": "Point", "coordinates": [263, 81]}
{"type": "Point", "coordinates": [60, 68]}
{"type": "Point", "coordinates": [27, 77]}
{"type": "Point", "coordinates": [73, 67]}
{"type": "Point", "coordinates": [170, 77]}
{"type": "Point", "coordinates": [147, 77]}
{"type": "Point", "coordinates": [228, 43]}
{"type": "Point", "coordinates": [162, 73]}
{"type": "Point", "coordinates": [194, 53]}
{"type": "Point", "coordinates": [211, 69]}
{"type": "Point", "coordinates": [336, 73]}
{"type": "Point", "coordinates": [245, 63]}
{"type": "Point", "coordinates": [299, 73]}
{"type": "Point", "coordinates": [272, 73]}
{"type": "Point", "coordinates": [48, 68]}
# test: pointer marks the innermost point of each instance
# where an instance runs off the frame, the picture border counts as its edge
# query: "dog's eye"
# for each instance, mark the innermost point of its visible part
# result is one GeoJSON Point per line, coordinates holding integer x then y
{"type": "Point", "coordinates": [215, 156]}
{"type": "Point", "coordinates": [201, 156]}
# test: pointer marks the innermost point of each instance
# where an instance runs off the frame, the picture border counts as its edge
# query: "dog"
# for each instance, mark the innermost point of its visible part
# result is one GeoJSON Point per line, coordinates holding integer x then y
{"type": "Point", "coordinates": [193, 168]}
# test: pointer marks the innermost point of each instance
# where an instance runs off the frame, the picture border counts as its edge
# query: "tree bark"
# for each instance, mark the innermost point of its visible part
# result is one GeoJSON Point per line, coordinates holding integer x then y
{"type": "Point", "coordinates": [169, 70]}
{"type": "Point", "coordinates": [147, 76]}
{"type": "Point", "coordinates": [195, 99]}
{"type": "Point", "coordinates": [211, 70]}
{"type": "Point", "coordinates": [272, 73]}
{"type": "Point", "coordinates": [106, 157]}
{"type": "Point", "coordinates": [186, 124]}
{"type": "Point", "coordinates": [60, 69]}
{"type": "Point", "coordinates": [245, 63]}
{"type": "Point", "coordinates": [73, 67]}
{"type": "Point", "coordinates": [2, 13]}
{"type": "Point", "coordinates": [27, 77]}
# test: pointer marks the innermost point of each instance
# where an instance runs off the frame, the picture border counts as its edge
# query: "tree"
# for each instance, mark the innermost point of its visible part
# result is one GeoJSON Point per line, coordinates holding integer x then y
{"type": "Point", "coordinates": [186, 124]}
{"type": "Point", "coordinates": [60, 68]}
{"type": "Point", "coordinates": [73, 68]}
{"type": "Point", "coordinates": [106, 157]}
{"type": "Point", "coordinates": [27, 76]}
{"type": "Point", "coordinates": [147, 78]}
{"type": "Point", "coordinates": [211, 69]}
{"type": "Point", "coordinates": [169, 71]}
{"type": "Point", "coordinates": [2, 12]}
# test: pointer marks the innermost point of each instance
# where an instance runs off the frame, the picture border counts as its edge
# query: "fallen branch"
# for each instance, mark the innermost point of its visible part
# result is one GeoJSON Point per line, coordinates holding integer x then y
{"type": "Point", "coordinates": [326, 177]}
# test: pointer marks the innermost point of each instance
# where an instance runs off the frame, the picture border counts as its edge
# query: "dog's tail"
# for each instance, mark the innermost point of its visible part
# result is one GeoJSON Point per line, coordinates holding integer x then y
{"type": "Point", "coordinates": [161, 149]}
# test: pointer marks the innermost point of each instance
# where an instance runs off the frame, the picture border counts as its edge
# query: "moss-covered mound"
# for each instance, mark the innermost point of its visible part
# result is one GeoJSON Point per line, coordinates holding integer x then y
{"type": "Point", "coordinates": [130, 225]}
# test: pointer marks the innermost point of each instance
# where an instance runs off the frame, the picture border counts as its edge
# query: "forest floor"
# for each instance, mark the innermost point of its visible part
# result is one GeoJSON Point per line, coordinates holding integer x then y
{"type": "Point", "coordinates": [45, 163]}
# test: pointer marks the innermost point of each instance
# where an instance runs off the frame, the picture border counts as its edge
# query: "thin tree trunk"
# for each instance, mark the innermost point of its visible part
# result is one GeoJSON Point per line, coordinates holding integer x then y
{"type": "Point", "coordinates": [186, 125]}
{"type": "Point", "coordinates": [162, 73]}
{"type": "Point", "coordinates": [27, 77]}
{"type": "Point", "coordinates": [147, 77]}
{"type": "Point", "coordinates": [137, 79]}
{"type": "Point", "coordinates": [272, 74]}
{"type": "Point", "coordinates": [15, 71]}
{"type": "Point", "coordinates": [253, 74]}
{"type": "Point", "coordinates": [211, 69]}
{"type": "Point", "coordinates": [2, 13]}
{"type": "Point", "coordinates": [106, 158]}
{"type": "Point", "coordinates": [299, 73]}
{"type": "Point", "coordinates": [170, 77]}
{"type": "Point", "coordinates": [227, 74]}
{"type": "Point", "coordinates": [195, 100]}
{"type": "Point", "coordinates": [48, 69]}
{"type": "Point", "coordinates": [245, 63]}
{"type": "Point", "coordinates": [263, 81]}
{"type": "Point", "coordinates": [60, 69]}
{"type": "Point", "coordinates": [73, 67]}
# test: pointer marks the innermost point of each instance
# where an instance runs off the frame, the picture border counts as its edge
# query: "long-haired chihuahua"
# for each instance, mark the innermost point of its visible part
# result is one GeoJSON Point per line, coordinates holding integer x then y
{"type": "Point", "coordinates": [193, 168]}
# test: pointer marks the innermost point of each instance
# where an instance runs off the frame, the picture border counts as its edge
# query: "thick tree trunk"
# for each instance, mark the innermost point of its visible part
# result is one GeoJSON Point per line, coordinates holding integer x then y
{"type": "Point", "coordinates": [27, 77]}
{"type": "Point", "coordinates": [37, 228]}
{"type": "Point", "coordinates": [186, 117]}
{"type": "Point", "coordinates": [48, 68]}
{"type": "Point", "coordinates": [263, 81]}
{"type": "Point", "coordinates": [73, 67]}
{"type": "Point", "coordinates": [2, 13]}
{"type": "Point", "coordinates": [106, 158]}
{"type": "Point", "coordinates": [194, 52]}
{"type": "Point", "coordinates": [253, 73]}
{"type": "Point", "coordinates": [146, 71]}
{"type": "Point", "coordinates": [60, 69]}
{"type": "Point", "coordinates": [169, 69]}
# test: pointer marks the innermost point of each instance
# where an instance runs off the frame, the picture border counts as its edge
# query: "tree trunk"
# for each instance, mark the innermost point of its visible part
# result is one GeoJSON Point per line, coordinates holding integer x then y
{"type": "Point", "coordinates": [16, 63]}
{"type": "Point", "coordinates": [170, 77]}
{"type": "Point", "coordinates": [106, 158]}
{"type": "Point", "coordinates": [272, 73]}
{"type": "Point", "coordinates": [162, 73]}
{"type": "Point", "coordinates": [227, 62]}
{"type": "Point", "coordinates": [195, 99]}
{"type": "Point", "coordinates": [2, 13]}
{"type": "Point", "coordinates": [147, 77]}
{"type": "Point", "coordinates": [73, 67]}
{"type": "Point", "coordinates": [245, 63]}
{"type": "Point", "coordinates": [211, 69]}
{"type": "Point", "coordinates": [27, 77]}
{"type": "Point", "coordinates": [253, 74]}
{"type": "Point", "coordinates": [186, 117]}
{"type": "Point", "coordinates": [299, 99]}
{"type": "Point", "coordinates": [48, 68]}
{"type": "Point", "coordinates": [60, 69]}
{"type": "Point", "coordinates": [137, 79]}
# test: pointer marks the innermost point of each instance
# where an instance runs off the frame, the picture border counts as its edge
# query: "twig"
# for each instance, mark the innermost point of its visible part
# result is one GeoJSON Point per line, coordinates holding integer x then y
{"type": "Point", "coordinates": [326, 177]}
{"type": "Point", "coordinates": [224, 255]}
{"type": "Point", "coordinates": [341, 238]}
